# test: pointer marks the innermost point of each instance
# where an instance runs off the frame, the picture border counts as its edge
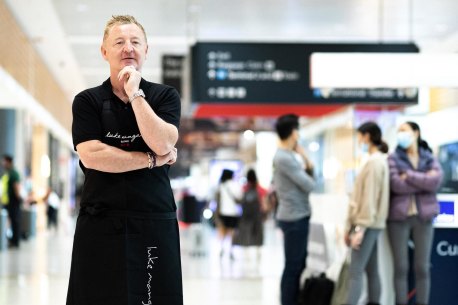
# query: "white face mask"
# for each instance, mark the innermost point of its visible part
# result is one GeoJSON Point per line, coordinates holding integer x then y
{"type": "Point", "coordinates": [405, 139]}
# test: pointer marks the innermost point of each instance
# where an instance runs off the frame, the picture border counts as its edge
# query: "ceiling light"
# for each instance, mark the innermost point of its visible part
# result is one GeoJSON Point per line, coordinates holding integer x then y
{"type": "Point", "coordinates": [82, 7]}
{"type": "Point", "coordinates": [314, 146]}
{"type": "Point", "coordinates": [248, 135]}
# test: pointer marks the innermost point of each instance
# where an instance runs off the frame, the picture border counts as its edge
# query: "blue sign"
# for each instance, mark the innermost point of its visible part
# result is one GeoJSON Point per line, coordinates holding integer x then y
{"type": "Point", "coordinates": [444, 267]}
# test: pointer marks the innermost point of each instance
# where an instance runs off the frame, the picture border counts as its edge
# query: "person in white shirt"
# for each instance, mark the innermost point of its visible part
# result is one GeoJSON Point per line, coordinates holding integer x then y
{"type": "Point", "coordinates": [228, 210]}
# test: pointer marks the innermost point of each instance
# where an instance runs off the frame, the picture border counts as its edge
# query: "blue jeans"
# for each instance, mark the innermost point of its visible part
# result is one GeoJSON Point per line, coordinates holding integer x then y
{"type": "Point", "coordinates": [295, 235]}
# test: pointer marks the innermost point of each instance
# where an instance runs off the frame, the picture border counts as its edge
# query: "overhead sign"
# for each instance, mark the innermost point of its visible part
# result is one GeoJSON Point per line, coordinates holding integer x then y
{"type": "Point", "coordinates": [280, 74]}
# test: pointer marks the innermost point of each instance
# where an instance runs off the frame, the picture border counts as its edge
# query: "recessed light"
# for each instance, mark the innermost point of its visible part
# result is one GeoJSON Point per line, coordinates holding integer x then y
{"type": "Point", "coordinates": [82, 7]}
{"type": "Point", "coordinates": [441, 27]}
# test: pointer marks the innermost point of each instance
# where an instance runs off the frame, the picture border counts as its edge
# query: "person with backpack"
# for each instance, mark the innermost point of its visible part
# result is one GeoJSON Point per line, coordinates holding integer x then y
{"type": "Point", "coordinates": [250, 229]}
{"type": "Point", "coordinates": [11, 198]}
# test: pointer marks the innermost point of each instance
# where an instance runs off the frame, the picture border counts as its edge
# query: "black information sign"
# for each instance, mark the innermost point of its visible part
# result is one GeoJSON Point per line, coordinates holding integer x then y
{"type": "Point", "coordinates": [172, 71]}
{"type": "Point", "coordinates": [280, 73]}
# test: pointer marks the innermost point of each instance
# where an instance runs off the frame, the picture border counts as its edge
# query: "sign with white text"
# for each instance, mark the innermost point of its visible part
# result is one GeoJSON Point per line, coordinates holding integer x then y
{"type": "Point", "coordinates": [244, 73]}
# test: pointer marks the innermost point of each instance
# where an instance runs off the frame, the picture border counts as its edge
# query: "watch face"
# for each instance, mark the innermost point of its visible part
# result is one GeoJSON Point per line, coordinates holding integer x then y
{"type": "Point", "coordinates": [137, 94]}
{"type": "Point", "coordinates": [140, 93]}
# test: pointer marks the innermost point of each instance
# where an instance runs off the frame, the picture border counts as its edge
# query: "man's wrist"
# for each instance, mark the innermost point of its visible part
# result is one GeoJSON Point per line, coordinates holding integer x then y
{"type": "Point", "coordinates": [151, 159]}
{"type": "Point", "coordinates": [136, 94]}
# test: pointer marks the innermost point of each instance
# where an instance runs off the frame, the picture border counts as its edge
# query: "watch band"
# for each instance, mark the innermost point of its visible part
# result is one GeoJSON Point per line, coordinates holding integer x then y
{"type": "Point", "coordinates": [137, 94]}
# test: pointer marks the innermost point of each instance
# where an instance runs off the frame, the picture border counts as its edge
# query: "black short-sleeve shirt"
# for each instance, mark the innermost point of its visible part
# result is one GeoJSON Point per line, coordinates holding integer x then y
{"type": "Point", "coordinates": [98, 114]}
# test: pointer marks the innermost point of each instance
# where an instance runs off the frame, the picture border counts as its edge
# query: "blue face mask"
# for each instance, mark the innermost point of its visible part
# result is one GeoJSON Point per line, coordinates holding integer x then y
{"type": "Point", "coordinates": [364, 147]}
{"type": "Point", "coordinates": [405, 139]}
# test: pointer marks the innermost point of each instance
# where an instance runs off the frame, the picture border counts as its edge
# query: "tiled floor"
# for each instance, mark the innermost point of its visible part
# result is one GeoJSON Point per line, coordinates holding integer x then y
{"type": "Point", "coordinates": [37, 273]}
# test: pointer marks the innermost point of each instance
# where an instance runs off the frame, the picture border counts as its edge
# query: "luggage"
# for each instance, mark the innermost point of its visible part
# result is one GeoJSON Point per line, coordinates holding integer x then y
{"type": "Point", "coordinates": [28, 223]}
{"type": "Point", "coordinates": [3, 227]}
{"type": "Point", "coordinates": [317, 290]}
{"type": "Point", "coordinates": [192, 209]}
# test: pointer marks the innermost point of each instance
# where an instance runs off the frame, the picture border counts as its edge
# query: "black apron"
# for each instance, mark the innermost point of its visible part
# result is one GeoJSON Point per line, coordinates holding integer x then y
{"type": "Point", "coordinates": [124, 256]}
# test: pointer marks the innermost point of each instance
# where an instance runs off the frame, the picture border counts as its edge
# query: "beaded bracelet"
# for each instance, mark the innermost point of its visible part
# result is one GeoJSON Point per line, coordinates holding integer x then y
{"type": "Point", "coordinates": [151, 159]}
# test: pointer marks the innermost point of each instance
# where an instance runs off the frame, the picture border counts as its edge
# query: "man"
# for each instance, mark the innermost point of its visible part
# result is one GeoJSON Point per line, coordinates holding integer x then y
{"type": "Point", "coordinates": [11, 198]}
{"type": "Point", "coordinates": [126, 246]}
{"type": "Point", "coordinates": [293, 183]}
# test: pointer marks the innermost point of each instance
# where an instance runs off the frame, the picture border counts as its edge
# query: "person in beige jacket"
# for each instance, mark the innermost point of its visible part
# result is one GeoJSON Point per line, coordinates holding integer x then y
{"type": "Point", "coordinates": [367, 215]}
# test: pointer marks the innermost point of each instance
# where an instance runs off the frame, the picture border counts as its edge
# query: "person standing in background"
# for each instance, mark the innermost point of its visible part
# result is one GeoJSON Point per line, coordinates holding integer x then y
{"type": "Point", "coordinates": [250, 231]}
{"type": "Point", "coordinates": [293, 184]}
{"type": "Point", "coordinates": [229, 193]}
{"type": "Point", "coordinates": [368, 210]}
{"type": "Point", "coordinates": [52, 201]}
{"type": "Point", "coordinates": [415, 177]}
{"type": "Point", "coordinates": [11, 198]}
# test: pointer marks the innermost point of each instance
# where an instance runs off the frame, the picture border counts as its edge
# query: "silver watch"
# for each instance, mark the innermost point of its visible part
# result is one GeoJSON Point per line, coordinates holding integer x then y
{"type": "Point", "coordinates": [137, 94]}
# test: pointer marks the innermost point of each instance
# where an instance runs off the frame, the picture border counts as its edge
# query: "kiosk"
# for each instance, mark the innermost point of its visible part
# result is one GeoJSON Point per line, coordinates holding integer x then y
{"type": "Point", "coordinates": [444, 256]}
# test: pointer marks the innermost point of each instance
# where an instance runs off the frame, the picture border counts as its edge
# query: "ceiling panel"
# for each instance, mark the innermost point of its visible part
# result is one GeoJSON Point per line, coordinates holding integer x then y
{"type": "Point", "coordinates": [171, 24]}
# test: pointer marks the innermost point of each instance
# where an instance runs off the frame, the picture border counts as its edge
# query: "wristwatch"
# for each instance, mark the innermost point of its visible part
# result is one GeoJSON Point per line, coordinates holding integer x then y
{"type": "Point", "coordinates": [137, 94]}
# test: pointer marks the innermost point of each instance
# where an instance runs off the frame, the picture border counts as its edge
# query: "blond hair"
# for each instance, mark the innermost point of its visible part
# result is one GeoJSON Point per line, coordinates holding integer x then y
{"type": "Point", "coordinates": [121, 19]}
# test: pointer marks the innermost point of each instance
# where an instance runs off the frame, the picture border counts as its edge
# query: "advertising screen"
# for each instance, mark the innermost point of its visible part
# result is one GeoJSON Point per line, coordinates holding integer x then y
{"type": "Point", "coordinates": [218, 165]}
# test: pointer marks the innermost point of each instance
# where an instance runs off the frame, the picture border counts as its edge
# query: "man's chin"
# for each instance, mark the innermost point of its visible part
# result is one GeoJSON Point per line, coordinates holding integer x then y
{"type": "Point", "coordinates": [129, 62]}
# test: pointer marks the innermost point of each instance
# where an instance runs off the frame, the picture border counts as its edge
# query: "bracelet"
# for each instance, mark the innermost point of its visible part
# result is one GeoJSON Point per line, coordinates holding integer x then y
{"type": "Point", "coordinates": [151, 159]}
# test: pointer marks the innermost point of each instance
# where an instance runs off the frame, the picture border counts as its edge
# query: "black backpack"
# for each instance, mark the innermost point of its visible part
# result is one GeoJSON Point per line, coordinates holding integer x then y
{"type": "Point", "coordinates": [317, 290]}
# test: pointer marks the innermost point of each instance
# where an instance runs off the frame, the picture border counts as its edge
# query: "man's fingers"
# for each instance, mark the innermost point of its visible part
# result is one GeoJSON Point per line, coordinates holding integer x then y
{"type": "Point", "coordinates": [125, 72]}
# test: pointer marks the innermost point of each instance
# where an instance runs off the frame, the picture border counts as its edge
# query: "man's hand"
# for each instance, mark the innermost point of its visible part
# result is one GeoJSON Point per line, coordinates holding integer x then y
{"type": "Point", "coordinates": [131, 79]}
{"type": "Point", "coordinates": [301, 151]}
{"type": "Point", "coordinates": [169, 158]}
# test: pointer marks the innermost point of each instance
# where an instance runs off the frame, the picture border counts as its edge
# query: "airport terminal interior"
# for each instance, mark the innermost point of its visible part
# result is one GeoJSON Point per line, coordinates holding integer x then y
{"type": "Point", "coordinates": [237, 66]}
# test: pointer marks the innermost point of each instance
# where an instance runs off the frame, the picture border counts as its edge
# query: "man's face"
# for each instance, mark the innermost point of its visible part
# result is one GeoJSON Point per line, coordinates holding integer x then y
{"type": "Point", "coordinates": [125, 45]}
{"type": "Point", "coordinates": [5, 164]}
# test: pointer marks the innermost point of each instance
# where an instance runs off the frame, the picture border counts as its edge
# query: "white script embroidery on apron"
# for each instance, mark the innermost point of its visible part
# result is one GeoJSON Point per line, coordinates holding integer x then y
{"type": "Point", "coordinates": [149, 266]}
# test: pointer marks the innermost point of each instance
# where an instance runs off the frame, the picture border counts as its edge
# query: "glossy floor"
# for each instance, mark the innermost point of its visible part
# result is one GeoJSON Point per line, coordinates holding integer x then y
{"type": "Point", "coordinates": [37, 273]}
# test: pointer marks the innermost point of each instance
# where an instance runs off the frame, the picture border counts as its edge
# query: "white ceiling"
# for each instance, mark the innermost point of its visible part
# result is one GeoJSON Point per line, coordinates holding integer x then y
{"type": "Point", "coordinates": [68, 33]}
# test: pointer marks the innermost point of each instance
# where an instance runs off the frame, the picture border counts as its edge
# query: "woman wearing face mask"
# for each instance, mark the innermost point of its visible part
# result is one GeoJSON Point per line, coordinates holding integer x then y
{"type": "Point", "coordinates": [415, 176]}
{"type": "Point", "coordinates": [367, 214]}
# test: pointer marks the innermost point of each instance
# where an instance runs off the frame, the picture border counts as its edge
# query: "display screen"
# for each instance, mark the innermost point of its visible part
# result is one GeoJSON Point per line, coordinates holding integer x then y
{"type": "Point", "coordinates": [448, 158]}
{"type": "Point", "coordinates": [247, 73]}
{"type": "Point", "coordinates": [448, 211]}
{"type": "Point", "coordinates": [218, 165]}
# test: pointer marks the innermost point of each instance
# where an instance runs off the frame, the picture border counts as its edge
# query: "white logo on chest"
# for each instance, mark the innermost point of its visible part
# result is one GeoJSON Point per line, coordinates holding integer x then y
{"type": "Point", "coordinates": [123, 138]}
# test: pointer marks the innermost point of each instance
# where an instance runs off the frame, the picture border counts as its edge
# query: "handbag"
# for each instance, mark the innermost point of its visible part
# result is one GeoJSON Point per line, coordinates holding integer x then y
{"type": "Point", "coordinates": [340, 294]}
